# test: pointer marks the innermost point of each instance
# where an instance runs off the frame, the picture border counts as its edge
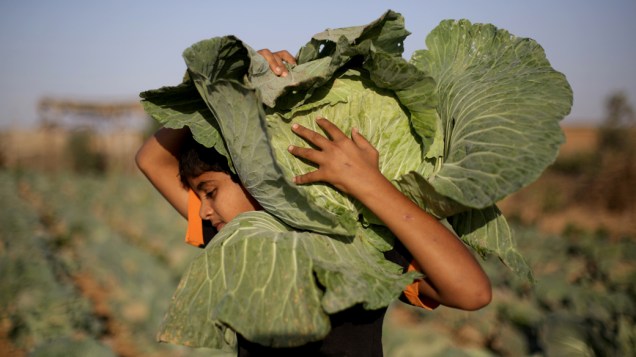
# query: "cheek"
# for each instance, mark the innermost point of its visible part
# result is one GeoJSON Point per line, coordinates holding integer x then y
{"type": "Point", "coordinates": [233, 202]}
{"type": "Point", "coordinates": [228, 206]}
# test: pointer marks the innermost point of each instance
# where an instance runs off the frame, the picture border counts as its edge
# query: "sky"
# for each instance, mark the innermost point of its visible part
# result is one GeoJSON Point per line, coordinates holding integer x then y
{"type": "Point", "coordinates": [112, 50]}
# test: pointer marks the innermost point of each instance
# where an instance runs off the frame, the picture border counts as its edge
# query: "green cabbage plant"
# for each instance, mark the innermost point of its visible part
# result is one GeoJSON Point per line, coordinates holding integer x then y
{"type": "Point", "coordinates": [464, 123]}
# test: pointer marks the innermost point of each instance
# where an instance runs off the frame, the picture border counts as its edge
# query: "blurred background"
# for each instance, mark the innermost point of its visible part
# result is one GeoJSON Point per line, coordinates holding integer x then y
{"type": "Point", "coordinates": [90, 254]}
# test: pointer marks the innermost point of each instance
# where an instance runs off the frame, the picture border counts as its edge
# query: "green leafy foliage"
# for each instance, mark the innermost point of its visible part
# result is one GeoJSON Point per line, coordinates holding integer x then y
{"type": "Point", "coordinates": [500, 103]}
{"type": "Point", "coordinates": [465, 123]}
{"type": "Point", "coordinates": [581, 304]}
{"type": "Point", "coordinates": [258, 258]}
{"type": "Point", "coordinates": [82, 265]}
{"type": "Point", "coordinates": [375, 112]}
{"type": "Point", "coordinates": [583, 297]}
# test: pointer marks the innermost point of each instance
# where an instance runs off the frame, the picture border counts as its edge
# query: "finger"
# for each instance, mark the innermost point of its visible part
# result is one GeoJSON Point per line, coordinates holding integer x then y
{"type": "Point", "coordinates": [360, 140]}
{"type": "Point", "coordinates": [305, 153]}
{"type": "Point", "coordinates": [334, 132]}
{"type": "Point", "coordinates": [286, 56]}
{"type": "Point", "coordinates": [310, 135]}
{"type": "Point", "coordinates": [310, 177]}
{"type": "Point", "coordinates": [275, 62]}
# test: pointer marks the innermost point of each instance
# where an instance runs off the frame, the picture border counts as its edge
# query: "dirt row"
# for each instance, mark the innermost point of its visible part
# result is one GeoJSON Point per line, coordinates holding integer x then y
{"type": "Point", "coordinates": [114, 333]}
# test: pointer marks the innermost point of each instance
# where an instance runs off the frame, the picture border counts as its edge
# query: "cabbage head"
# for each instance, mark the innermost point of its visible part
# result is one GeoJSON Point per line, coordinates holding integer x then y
{"type": "Point", "coordinates": [464, 123]}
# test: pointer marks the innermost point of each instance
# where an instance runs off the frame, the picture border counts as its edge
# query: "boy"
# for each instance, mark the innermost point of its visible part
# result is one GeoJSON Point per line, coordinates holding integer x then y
{"type": "Point", "coordinates": [453, 277]}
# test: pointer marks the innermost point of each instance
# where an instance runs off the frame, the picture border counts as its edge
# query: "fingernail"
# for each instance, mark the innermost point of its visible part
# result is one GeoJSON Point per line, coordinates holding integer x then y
{"type": "Point", "coordinates": [284, 74]}
{"type": "Point", "coordinates": [295, 126]}
{"type": "Point", "coordinates": [290, 148]}
{"type": "Point", "coordinates": [277, 70]}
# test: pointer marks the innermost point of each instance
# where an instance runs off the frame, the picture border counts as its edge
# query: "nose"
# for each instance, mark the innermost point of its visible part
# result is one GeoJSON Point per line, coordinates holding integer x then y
{"type": "Point", "coordinates": [206, 211]}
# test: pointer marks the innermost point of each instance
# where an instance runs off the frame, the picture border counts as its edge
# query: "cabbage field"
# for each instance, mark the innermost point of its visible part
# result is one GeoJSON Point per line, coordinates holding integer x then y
{"type": "Point", "coordinates": [88, 265]}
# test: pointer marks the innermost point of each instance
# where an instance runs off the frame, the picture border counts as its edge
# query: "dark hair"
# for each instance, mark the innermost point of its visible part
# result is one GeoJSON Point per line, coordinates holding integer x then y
{"type": "Point", "coordinates": [196, 159]}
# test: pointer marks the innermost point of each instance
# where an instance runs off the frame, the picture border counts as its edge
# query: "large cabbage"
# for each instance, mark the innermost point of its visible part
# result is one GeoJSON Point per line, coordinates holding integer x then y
{"type": "Point", "coordinates": [460, 126]}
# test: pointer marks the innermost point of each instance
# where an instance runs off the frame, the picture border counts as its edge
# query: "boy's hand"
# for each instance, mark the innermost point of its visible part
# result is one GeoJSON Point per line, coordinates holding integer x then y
{"type": "Point", "coordinates": [346, 163]}
{"type": "Point", "coordinates": [277, 61]}
{"type": "Point", "coordinates": [453, 276]}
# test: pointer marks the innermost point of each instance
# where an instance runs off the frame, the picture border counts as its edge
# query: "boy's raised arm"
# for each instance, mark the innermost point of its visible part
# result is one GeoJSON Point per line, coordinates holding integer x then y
{"type": "Point", "coordinates": [158, 160]}
{"type": "Point", "coordinates": [453, 276]}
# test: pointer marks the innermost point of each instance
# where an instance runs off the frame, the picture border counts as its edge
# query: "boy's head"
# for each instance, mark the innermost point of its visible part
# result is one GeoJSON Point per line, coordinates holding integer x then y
{"type": "Point", "coordinates": [195, 159]}
{"type": "Point", "coordinates": [208, 174]}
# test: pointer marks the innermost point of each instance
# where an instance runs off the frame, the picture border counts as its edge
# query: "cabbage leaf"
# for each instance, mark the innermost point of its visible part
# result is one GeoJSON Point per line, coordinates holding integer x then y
{"type": "Point", "coordinates": [500, 103]}
{"type": "Point", "coordinates": [258, 277]}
